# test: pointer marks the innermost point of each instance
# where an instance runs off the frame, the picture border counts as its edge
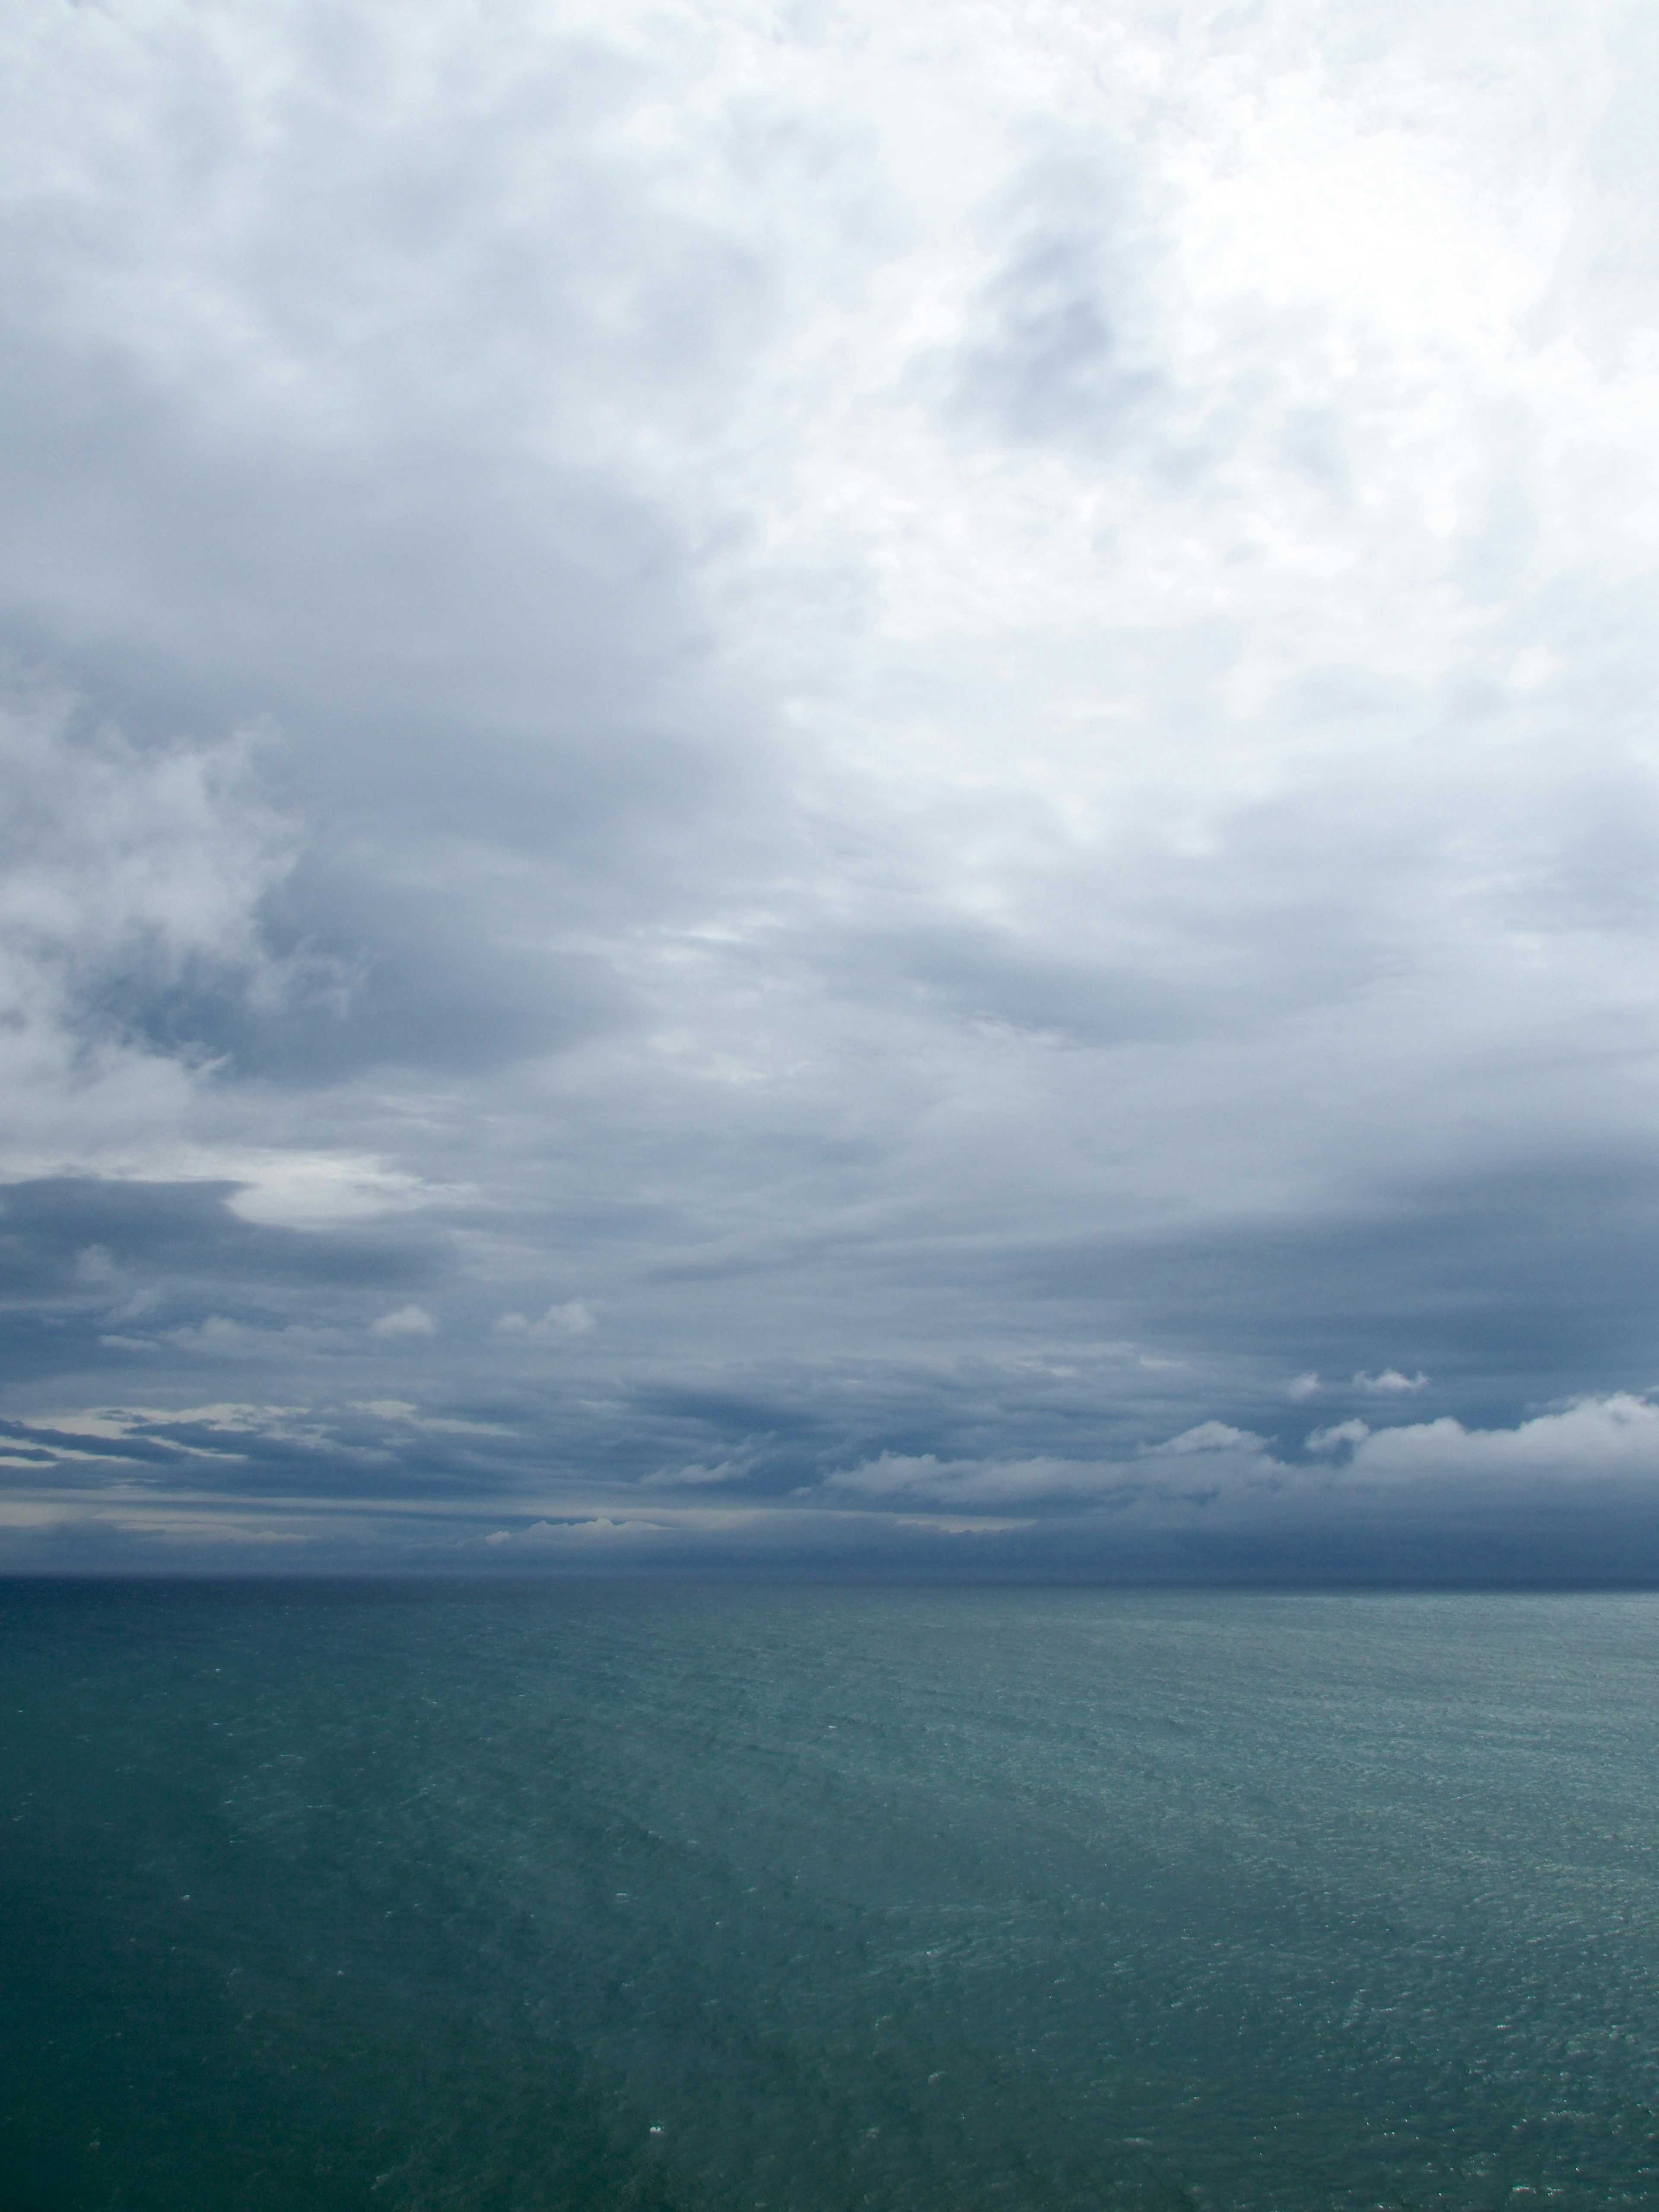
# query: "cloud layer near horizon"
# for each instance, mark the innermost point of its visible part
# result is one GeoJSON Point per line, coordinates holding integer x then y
{"type": "Point", "coordinates": [840, 785]}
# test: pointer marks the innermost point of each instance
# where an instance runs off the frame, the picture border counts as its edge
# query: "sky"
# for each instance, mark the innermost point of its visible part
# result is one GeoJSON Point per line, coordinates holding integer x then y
{"type": "Point", "coordinates": [847, 788]}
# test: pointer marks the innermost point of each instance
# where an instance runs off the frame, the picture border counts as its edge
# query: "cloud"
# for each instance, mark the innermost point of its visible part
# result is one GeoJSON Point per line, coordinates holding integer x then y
{"type": "Point", "coordinates": [573, 1318]}
{"type": "Point", "coordinates": [1593, 1441]}
{"type": "Point", "coordinates": [697, 1476]}
{"type": "Point", "coordinates": [1339, 1433]}
{"type": "Point", "coordinates": [963, 721]}
{"type": "Point", "coordinates": [404, 1321]}
{"type": "Point", "coordinates": [1059, 348]}
{"type": "Point", "coordinates": [1216, 1454]}
{"type": "Point", "coordinates": [127, 872]}
{"type": "Point", "coordinates": [1452, 1468]}
{"type": "Point", "coordinates": [1436, 1499]}
{"type": "Point", "coordinates": [1212, 1437]}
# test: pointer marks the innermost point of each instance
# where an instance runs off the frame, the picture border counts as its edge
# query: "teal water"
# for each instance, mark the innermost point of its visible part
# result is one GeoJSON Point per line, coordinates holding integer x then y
{"type": "Point", "coordinates": [537, 1897]}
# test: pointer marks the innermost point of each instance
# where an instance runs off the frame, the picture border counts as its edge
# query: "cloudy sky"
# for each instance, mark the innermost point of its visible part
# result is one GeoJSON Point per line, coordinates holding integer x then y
{"type": "Point", "coordinates": [817, 784]}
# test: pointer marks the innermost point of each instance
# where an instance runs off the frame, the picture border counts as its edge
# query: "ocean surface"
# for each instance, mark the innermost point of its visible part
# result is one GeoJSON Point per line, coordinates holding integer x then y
{"type": "Point", "coordinates": [539, 1896]}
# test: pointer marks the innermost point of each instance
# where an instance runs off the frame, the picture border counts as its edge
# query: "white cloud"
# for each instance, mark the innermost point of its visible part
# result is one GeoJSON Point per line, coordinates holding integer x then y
{"type": "Point", "coordinates": [309, 1190]}
{"type": "Point", "coordinates": [1212, 1455]}
{"type": "Point", "coordinates": [1341, 1432]}
{"type": "Point", "coordinates": [1212, 1437]}
{"type": "Point", "coordinates": [574, 1317]}
{"type": "Point", "coordinates": [217, 1335]}
{"type": "Point", "coordinates": [918, 1477]}
{"type": "Point", "coordinates": [1391, 1383]}
{"type": "Point", "coordinates": [406, 1321]}
{"type": "Point", "coordinates": [699, 1476]}
{"type": "Point", "coordinates": [1235, 1473]}
{"type": "Point", "coordinates": [1592, 1441]}
{"type": "Point", "coordinates": [593, 1530]}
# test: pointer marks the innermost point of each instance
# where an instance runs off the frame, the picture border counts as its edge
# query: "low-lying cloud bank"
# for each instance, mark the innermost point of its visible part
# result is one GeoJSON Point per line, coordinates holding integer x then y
{"type": "Point", "coordinates": [1570, 1494]}
{"type": "Point", "coordinates": [1585, 1446]}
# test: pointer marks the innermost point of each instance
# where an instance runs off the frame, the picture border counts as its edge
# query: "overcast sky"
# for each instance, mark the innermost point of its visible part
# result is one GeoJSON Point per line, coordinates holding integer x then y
{"type": "Point", "coordinates": [852, 786]}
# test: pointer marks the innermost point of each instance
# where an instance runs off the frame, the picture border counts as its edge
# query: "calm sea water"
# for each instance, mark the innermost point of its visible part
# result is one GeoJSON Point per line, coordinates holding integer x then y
{"type": "Point", "coordinates": [565, 1896]}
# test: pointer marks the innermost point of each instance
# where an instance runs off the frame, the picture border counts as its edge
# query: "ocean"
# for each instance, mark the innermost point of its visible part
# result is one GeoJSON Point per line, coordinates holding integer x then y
{"type": "Point", "coordinates": [507, 1898]}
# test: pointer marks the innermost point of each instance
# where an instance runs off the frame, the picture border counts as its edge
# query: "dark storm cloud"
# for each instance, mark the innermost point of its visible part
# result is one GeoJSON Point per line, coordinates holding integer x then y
{"type": "Point", "coordinates": [377, 976]}
{"type": "Point", "coordinates": [95, 1267]}
{"type": "Point", "coordinates": [58, 1234]}
{"type": "Point", "coordinates": [1545, 1274]}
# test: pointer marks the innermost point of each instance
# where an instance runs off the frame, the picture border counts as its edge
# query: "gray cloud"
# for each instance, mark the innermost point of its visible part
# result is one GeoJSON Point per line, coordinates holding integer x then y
{"type": "Point", "coordinates": [871, 802]}
{"type": "Point", "coordinates": [1060, 350]}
